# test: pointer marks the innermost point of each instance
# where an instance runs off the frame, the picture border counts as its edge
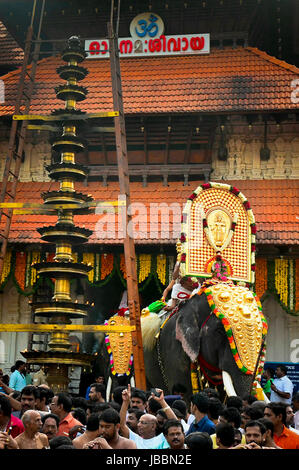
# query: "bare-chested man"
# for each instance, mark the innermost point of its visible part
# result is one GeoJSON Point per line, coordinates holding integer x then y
{"type": "Point", "coordinates": [109, 433]}
{"type": "Point", "coordinates": [91, 433]}
{"type": "Point", "coordinates": [31, 438]}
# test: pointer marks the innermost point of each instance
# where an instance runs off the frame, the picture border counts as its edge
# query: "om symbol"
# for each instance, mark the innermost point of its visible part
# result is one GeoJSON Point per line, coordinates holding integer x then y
{"type": "Point", "coordinates": [151, 29]}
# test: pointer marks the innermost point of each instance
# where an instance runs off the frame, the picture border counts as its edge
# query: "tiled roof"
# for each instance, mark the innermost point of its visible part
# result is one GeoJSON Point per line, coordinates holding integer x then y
{"type": "Point", "coordinates": [275, 204]}
{"type": "Point", "coordinates": [226, 80]}
{"type": "Point", "coordinates": [10, 51]}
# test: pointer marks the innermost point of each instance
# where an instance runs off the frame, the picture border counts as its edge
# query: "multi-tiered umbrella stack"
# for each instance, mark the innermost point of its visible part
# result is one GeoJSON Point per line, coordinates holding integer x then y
{"type": "Point", "coordinates": [64, 234]}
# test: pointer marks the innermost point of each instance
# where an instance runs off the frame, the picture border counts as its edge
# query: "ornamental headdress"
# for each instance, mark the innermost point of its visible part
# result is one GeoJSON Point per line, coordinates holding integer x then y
{"type": "Point", "coordinates": [218, 234]}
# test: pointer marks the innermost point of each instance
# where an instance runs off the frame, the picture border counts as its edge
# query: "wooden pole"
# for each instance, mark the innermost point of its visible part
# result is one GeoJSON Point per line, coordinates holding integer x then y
{"type": "Point", "coordinates": [123, 175]}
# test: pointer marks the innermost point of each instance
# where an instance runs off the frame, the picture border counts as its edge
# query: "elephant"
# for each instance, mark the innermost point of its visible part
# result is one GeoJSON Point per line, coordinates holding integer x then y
{"type": "Point", "coordinates": [196, 330]}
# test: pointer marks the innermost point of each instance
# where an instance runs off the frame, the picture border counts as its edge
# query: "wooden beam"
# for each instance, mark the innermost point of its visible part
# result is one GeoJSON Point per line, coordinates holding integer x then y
{"type": "Point", "coordinates": [37, 328]}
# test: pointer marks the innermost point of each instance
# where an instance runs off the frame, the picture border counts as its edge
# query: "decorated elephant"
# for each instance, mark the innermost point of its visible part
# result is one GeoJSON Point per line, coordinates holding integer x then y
{"type": "Point", "coordinates": [221, 329]}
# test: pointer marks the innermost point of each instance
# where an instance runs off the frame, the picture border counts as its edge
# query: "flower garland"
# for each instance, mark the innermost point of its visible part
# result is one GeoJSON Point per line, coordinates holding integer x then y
{"type": "Point", "coordinates": [107, 264]}
{"type": "Point", "coordinates": [35, 258]}
{"type": "Point", "coordinates": [122, 265]}
{"type": "Point", "coordinates": [145, 262]}
{"type": "Point", "coordinates": [20, 269]}
{"type": "Point", "coordinates": [88, 259]}
{"type": "Point", "coordinates": [6, 267]}
{"type": "Point", "coordinates": [281, 279]}
{"type": "Point", "coordinates": [161, 268]}
{"type": "Point", "coordinates": [297, 285]}
{"type": "Point", "coordinates": [261, 280]}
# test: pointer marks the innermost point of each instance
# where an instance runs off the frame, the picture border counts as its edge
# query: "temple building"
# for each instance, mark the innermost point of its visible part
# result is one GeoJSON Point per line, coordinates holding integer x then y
{"type": "Point", "coordinates": [207, 97]}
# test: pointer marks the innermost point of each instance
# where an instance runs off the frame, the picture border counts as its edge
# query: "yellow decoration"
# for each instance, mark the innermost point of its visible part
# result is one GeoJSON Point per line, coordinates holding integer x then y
{"type": "Point", "coordinates": [119, 345]}
{"type": "Point", "coordinates": [144, 267]}
{"type": "Point", "coordinates": [281, 279]}
{"type": "Point", "coordinates": [6, 266]}
{"type": "Point", "coordinates": [35, 258]}
{"type": "Point", "coordinates": [240, 308]}
{"type": "Point", "coordinates": [161, 268]}
{"type": "Point", "coordinates": [88, 258]}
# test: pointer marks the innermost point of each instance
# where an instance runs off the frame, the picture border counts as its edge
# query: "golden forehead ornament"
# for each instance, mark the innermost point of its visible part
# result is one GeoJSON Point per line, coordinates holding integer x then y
{"type": "Point", "coordinates": [239, 306]}
{"type": "Point", "coordinates": [120, 344]}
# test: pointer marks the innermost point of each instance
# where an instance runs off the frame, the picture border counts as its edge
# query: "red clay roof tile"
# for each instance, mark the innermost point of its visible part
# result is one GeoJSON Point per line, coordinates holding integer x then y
{"type": "Point", "coordinates": [241, 79]}
{"type": "Point", "coordinates": [275, 204]}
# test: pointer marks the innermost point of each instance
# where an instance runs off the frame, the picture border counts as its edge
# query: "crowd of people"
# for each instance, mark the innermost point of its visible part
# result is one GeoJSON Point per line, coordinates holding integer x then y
{"type": "Point", "coordinates": [32, 416]}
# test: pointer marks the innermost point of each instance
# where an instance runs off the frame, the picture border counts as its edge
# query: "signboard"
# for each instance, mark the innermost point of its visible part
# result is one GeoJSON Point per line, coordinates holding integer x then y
{"type": "Point", "coordinates": [147, 40]}
{"type": "Point", "coordinates": [293, 371]}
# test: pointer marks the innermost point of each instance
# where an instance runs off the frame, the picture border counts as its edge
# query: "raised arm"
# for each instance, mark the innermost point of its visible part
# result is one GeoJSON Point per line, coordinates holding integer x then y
{"type": "Point", "coordinates": [126, 397]}
{"type": "Point", "coordinates": [165, 407]}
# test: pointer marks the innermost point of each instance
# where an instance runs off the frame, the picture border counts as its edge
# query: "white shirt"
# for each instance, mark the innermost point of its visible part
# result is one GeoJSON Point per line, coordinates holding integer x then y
{"type": "Point", "coordinates": [283, 384]}
{"type": "Point", "coordinates": [152, 443]}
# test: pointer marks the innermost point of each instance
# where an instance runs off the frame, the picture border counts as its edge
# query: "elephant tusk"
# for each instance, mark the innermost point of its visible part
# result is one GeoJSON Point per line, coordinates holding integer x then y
{"type": "Point", "coordinates": [228, 384]}
{"type": "Point", "coordinates": [108, 389]}
{"type": "Point", "coordinates": [132, 382]}
{"type": "Point", "coordinates": [266, 399]}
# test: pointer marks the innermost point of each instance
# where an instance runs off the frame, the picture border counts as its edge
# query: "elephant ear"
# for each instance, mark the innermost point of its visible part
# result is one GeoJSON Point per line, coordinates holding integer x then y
{"type": "Point", "coordinates": [187, 328]}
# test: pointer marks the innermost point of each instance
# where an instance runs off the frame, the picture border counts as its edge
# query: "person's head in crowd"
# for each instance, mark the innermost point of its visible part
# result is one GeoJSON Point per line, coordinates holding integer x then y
{"type": "Point", "coordinates": [113, 404]}
{"type": "Point", "coordinates": [133, 416]}
{"type": "Point", "coordinates": [231, 416]}
{"type": "Point", "coordinates": [153, 406]}
{"type": "Point", "coordinates": [66, 446]}
{"type": "Point", "coordinates": [234, 401]}
{"type": "Point", "coordinates": [50, 424]}
{"type": "Point", "coordinates": [289, 416]}
{"type": "Point", "coordinates": [109, 424]}
{"type": "Point", "coordinates": [41, 399]}
{"type": "Point", "coordinates": [97, 392]}
{"type": "Point", "coordinates": [255, 432]}
{"type": "Point", "coordinates": [276, 412]}
{"type": "Point", "coordinates": [80, 415]}
{"type": "Point", "coordinates": [16, 395]}
{"type": "Point", "coordinates": [117, 394]}
{"type": "Point", "coordinates": [28, 398]}
{"type": "Point", "coordinates": [93, 422]}
{"type": "Point", "coordinates": [174, 434]}
{"type": "Point", "coordinates": [96, 408]}
{"type": "Point", "coordinates": [211, 392]}
{"type": "Point", "coordinates": [215, 408]}
{"type": "Point", "coordinates": [269, 433]}
{"type": "Point", "coordinates": [268, 373]}
{"type": "Point", "coordinates": [5, 411]}
{"type": "Point", "coordinates": [19, 366]}
{"type": "Point", "coordinates": [179, 389]}
{"type": "Point", "coordinates": [199, 403]}
{"type": "Point", "coordinates": [59, 441]}
{"type": "Point", "coordinates": [281, 371]}
{"type": "Point", "coordinates": [79, 402]}
{"type": "Point", "coordinates": [295, 402]}
{"type": "Point", "coordinates": [147, 426]}
{"type": "Point", "coordinates": [138, 399]}
{"type": "Point", "coordinates": [32, 422]}
{"type": "Point", "coordinates": [248, 399]}
{"type": "Point", "coordinates": [161, 420]}
{"type": "Point", "coordinates": [225, 435]}
{"type": "Point", "coordinates": [199, 440]}
{"type": "Point", "coordinates": [61, 404]}
{"type": "Point", "coordinates": [181, 406]}
{"type": "Point", "coordinates": [178, 414]}
{"type": "Point", "coordinates": [251, 413]}
{"type": "Point", "coordinates": [237, 437]}
{"type": "Point", "coordinates": [100, 379]}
